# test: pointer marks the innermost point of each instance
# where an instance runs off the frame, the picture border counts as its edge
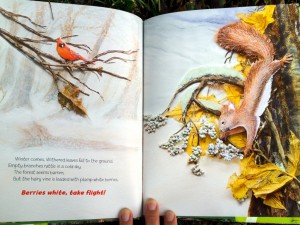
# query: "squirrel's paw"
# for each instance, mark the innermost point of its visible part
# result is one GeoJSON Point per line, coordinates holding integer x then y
{"type": "Point", "coordinates": [223, 136]}
{"type": "Point", "coordinates": [247, 151]}
{"type": "Point", "coordinates": [288, 58]}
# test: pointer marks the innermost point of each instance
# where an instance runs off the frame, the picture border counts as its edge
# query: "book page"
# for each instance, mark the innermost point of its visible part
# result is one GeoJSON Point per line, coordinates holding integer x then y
{"type": "Point", "coordinates": [188, 79]}
{"type": "Point", "coordinates": [71, 131]}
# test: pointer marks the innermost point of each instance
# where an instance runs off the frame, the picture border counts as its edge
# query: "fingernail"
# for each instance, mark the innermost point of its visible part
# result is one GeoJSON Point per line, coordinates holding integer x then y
{"type": "Point", "coordinates": [151, 205]}
{"type": "Point", "coordinates": [170, 216]}
{"type": "Point", "coordinates": [125, 215]}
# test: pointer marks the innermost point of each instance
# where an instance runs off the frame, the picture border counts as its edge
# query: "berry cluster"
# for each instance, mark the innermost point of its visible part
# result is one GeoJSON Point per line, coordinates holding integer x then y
{"type": "Point", "coordinates": [197, 171]}
{"type": "Point", "coordinates": [227, 152]}
{"type": "Point", "coordinates": [207, 128]}
{"type": "Point", "coordinates": [152, 123]}
{"type": "Point", "coordinates": [178, 142]}
{"type": "Point", "coordinates": [195, 156]}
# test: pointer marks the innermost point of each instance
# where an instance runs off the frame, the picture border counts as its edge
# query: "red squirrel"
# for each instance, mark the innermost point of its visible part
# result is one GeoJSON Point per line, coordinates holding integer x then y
{"type": "Point", "coordinates": [247, 40]}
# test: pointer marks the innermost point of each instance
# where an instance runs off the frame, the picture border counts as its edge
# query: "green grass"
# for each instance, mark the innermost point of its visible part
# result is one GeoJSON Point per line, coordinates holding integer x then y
{"type": "Point", "coordinates": [149, 8]}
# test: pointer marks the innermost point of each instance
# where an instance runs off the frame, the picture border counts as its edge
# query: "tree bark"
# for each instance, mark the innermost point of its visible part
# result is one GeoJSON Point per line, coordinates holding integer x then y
{"type": "Point", "coordinates": [284, 107]}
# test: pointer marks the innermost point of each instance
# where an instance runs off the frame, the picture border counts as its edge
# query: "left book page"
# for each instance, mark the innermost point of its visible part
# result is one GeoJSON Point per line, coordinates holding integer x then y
{"type": "Point", "coordinates": [70, 109]}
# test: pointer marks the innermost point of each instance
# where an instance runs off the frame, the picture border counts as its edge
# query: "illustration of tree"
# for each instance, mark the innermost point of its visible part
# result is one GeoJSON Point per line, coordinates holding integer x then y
{"type": "Point", "coordinates": [68, 92]}
{"type": "Point", "coordinates": [271, 173]}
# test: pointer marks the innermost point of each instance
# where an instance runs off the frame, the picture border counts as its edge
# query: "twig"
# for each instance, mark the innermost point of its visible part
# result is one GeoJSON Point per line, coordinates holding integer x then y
{"type": "Point", "coordinates": [260, 153]}
{"type": "Point", "coordinates": [51, 9]}
{"type": "Point", "coordinates": [80, 46]}
{"type": "Point", "coordinates": [229, 57]}
{"type": "Point", "coordinates": [116, 51]}
{"type": "Point", "coordinates": [62, 64]}
{"type": "Point", "coordinates": [41, 41]}
{"type": "Point", "coordinates": [204, 80]}
{"type": "Point", "coordinates": [184, 125]}
{"type": "Point", "coordinates": [194, 96]}
{"type": "Point", "coordinates": [112, 74]}
{"type": "Point", "coordinates": [215, 112]}
{"type": "Point", "coordinates": [26, 46]}
{"type": "Point", "coordinates": [84, 67]}
{"type": "Point", "coordinates": [23, 43]}
{"type": "Point", "coordinates": [269, 119]}
{"type": "Point", "coordinates": [260, 129]}
{"type": "Point", "coordinates": [85, 85]}
{"type": "Point", "coordinates": [40, 62]}
{"type": "Point", "coordinates": [197, 131]}
{"type": "Point", "coordinates": [12, 15]}
{"type": "Point", "coordinates": [117, 58]}
{"type": "Point", "coordinates": [64, 37]}
{"type": "Point", "coordinates": [108, 61]}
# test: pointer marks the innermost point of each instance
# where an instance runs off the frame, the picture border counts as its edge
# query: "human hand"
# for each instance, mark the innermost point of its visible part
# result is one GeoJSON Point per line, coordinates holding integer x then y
{"type": "Point", "coordinates": [151, 211]}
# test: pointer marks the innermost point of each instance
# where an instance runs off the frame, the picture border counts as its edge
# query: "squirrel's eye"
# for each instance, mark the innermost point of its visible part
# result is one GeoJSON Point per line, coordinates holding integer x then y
{"type": "Point", "coordinates": [222, 122]}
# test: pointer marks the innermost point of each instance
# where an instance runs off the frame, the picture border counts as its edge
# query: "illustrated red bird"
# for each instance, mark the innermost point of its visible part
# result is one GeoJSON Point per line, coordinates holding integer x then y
{"type": "Point", "coordinates": [67, 53]}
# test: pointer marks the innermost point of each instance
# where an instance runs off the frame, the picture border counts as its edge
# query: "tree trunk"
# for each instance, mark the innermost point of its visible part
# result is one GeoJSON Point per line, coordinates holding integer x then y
{"type": "Point", "coordinates": [284, 108]}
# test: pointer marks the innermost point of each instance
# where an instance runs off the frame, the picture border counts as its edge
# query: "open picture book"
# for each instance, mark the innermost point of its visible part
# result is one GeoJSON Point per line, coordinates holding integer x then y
{"type": "Point", "coordinates": [101, 110]}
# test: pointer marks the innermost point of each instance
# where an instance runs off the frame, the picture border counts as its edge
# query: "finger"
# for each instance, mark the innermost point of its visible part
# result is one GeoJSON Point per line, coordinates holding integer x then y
{"type": "Point", "coordinates": [170, 218]}
{"type": "Point", "coordinates": [125, 217]}
{"type": "Point", "coordinates": [151, 212]}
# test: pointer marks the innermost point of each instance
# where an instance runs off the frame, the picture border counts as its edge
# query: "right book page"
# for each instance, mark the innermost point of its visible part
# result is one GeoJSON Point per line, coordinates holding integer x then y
{"type": "Point", "coordinates": [221, 112]}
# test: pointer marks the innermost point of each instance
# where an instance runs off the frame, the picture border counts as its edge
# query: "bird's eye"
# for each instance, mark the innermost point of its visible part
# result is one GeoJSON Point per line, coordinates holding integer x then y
{"type": "Point", "coordinates": [222, 122]}
{"type": "Point", "coordinates": [62, 45]}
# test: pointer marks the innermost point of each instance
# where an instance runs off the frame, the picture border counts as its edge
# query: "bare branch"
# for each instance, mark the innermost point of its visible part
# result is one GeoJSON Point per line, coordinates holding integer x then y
{"type": "Point", "coordinates": [55, 65]}
{"type": "Point", "coordinates": [204, 80]}
{"type": "Point", "coordinates": [116, 51]}
{"type": "Point", "coordinates": [52, 16]}
{"type": "Point", "coordinates": [13, 15]}
{"type": "Point", "coordinates": [215, 112]}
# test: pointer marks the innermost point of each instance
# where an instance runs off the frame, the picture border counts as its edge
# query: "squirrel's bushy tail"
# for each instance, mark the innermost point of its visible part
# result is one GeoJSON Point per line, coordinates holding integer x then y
{"type": "Point", "coordinates": [245, 39]}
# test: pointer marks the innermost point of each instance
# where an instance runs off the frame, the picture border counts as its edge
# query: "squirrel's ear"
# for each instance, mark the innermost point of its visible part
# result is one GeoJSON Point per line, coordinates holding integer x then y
{"type": "Point", "coordinates": [231, 107]}
{"type": "Point", "coordinates": [224, 109]}
{"type": "Point", "coordinates": [228, 108]}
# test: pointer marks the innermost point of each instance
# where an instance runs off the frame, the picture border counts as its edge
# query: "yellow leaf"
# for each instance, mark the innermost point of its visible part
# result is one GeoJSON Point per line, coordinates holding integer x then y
{"type": "Point", "coordinates": [238, 140]}
{"type": "Point", "coordinates": [175, 113]}
{"type": "Point", "coordinates": [193, 140]}
{"type": "Point", "coordinates": [255, 170]}
{"type": "Point", "coordinates": [293, 167]}
{"type": "Point", "coordinates": [210, 97]}
{"type": "Point", "coordinates": [243, 66]}
{"type": "Point", "coordinates": [274, 184]}
{"type": "Point", "coordinates": [204, 142]}
{"type": "Point", "coordinates": [194, 113]}
{"type": "Point", "coordinates": [273, 200]}
{"type": "Point", "coordinates": [261, 19]}
{"type": "Point", "coordinates": [233, 93]}
{"type": "Point", "coordinates": [245, 162]}
{"type": "Point", "coordinates": [258, 180]}
{"type": "Point", "coordinates": [263, 180]}
{"type": "Point", "coordinates": [238, 187]}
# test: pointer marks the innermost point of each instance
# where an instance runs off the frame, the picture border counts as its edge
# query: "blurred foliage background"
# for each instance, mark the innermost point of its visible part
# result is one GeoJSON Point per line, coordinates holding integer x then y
{"type": "Point", "coordinates": [147, 9]}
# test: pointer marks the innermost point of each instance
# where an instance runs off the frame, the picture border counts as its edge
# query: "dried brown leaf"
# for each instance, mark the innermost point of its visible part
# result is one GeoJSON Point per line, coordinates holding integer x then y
{"type": "Point", "coordinates": [68, 98]}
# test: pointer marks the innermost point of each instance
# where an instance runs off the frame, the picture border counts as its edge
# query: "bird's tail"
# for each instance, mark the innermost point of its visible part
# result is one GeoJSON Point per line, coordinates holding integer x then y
{"type": "Point", "coordinates": [83, 58]}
